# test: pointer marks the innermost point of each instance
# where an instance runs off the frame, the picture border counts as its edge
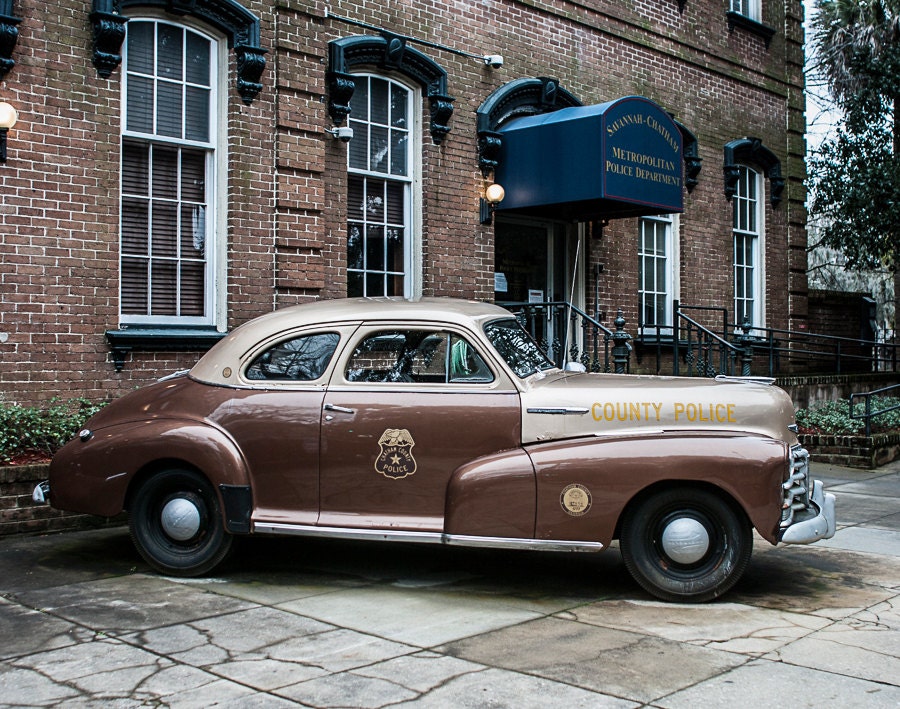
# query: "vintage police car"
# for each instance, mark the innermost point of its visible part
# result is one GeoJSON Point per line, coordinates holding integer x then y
{"type": "Point", "coordinates": [442, 421]}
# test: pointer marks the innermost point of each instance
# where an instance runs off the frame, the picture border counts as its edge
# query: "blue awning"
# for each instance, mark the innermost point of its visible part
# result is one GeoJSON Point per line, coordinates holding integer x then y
{"type": "Point", "coordinates": [623, 158]}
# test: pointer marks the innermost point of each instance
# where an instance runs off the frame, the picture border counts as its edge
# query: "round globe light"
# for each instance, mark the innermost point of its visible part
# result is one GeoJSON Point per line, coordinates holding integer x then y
{"type": "Point", "coordinates": [8, 115]}
{"type": "Point", "coordinates": [494, 193]}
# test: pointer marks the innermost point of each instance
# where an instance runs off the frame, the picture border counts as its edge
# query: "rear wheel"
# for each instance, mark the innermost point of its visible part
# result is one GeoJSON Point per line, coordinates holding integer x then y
{"type": "Point", "coordinates": [175, 522]}
{"type": "Point", "coordinates": [685, 544]}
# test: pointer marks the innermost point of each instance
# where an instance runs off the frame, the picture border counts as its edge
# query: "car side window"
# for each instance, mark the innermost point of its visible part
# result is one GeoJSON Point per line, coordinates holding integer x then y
{"type": "Point", "coordinates": [301, 359]}
{"type": "Point", "coordinates": [417, 356]}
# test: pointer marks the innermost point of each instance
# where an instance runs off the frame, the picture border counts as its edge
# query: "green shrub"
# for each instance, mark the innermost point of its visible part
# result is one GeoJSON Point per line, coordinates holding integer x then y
{"type": "Point", "coordinates": [31, 429]}
{"type": "Point", "coordinates": [833, 417]}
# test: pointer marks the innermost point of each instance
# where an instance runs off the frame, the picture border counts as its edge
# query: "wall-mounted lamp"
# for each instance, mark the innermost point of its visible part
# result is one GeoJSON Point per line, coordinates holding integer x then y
{"type": "Point", "coordinates": [342, 133]}
{"type": "Point", "coordinates": [8, 118]}
{"type": "Point", "coordinates": [493, 195]}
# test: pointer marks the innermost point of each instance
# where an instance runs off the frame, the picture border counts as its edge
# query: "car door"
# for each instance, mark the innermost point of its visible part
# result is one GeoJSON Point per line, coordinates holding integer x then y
{"type": "Point", "coordinates": [405, 407]}
{"type": "Point", "coordinates": [275, 419]}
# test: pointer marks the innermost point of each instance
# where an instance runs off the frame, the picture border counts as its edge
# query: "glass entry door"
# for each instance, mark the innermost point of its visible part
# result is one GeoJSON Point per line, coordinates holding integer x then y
{"type": "Point", "coordinates": [534, 262]}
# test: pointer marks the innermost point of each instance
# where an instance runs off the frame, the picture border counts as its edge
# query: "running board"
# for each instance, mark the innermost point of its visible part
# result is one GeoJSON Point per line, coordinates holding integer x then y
{"type": "Point", "coordinates": [384, 535]}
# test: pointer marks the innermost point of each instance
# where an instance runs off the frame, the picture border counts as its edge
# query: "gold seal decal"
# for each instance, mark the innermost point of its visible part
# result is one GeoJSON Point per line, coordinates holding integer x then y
{"type": "Point", "coordinates": [575, 500]}
{"type": "Point", "coordinates": [396, 459]}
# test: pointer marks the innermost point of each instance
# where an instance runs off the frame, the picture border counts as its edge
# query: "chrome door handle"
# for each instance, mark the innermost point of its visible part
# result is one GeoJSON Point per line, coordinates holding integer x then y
{"type": "Point", "coordinates": [342, 409]}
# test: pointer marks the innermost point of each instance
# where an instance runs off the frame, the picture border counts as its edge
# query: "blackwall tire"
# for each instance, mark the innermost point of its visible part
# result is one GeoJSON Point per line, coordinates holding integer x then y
{"type": "Point", "coordinates": [686, 545]}
{"type": "Point", "coordinates": [175, 521]}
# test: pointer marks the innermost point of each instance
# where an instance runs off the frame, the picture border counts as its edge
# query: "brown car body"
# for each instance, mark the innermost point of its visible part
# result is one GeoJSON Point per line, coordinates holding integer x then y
{"type": "Point", "coordinates": [476, 451]}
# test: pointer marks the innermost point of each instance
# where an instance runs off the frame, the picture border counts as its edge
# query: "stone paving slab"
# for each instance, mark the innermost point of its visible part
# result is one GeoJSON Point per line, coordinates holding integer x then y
{"type": "Point", "coordinates": [322, 623]}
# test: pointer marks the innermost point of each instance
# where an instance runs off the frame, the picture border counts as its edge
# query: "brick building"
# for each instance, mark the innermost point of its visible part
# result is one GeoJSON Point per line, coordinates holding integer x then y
{"type": "Point", "coordinates": [180, 167]}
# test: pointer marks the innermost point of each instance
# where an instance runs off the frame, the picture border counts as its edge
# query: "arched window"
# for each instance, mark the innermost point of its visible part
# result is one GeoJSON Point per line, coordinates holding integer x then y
{"type": "Point", "coordinates": [170, 136]}
{"type": "Point", "coordinates": [381, 160]}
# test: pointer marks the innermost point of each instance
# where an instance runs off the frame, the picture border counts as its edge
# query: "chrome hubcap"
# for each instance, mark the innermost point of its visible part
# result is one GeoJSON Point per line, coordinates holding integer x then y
{"type": "Point", "coordinates": [180, 519]}
{"type": "Point", "coordinates": [685, 540]}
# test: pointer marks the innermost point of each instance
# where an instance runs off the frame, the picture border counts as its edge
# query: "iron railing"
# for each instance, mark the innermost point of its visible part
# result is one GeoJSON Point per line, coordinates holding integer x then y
{"type": "Point", "coordinates": [867, 414]}
{"type": "Point", "coordinates": [568, 334]}
{"type": "Point", "coordinates": [716, 346]}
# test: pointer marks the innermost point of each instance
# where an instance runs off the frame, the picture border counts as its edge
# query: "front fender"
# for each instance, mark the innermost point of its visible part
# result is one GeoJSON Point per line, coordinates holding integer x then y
{"type": "Point", "coordinates": [583, 486]}
{"type": "Point", "coordinates": [93, 476]}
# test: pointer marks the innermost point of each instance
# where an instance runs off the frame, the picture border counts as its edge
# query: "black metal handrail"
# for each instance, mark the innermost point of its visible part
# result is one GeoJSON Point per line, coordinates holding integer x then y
{"type": "Point", "coordinates": [575, 336]}
{"type": "Point", "coordinates": [868, 414]}
{"type": "Point", "coordinates": [729, 348]}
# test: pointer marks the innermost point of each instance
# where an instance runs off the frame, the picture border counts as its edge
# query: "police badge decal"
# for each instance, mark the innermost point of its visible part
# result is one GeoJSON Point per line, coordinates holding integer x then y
{"type": "Point", "coordinates": [396, 459]}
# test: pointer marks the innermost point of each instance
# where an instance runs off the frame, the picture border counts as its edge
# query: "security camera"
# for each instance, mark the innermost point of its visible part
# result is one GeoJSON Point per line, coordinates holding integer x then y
{"type": "Point", "coordinates": [494, 61]}
{"type": "Point", "coordinates": [342, 133]}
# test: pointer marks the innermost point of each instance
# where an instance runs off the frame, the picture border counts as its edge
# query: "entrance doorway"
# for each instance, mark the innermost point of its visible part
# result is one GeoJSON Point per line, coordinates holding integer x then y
{"type": "Point", "coordinates": [537, 262]}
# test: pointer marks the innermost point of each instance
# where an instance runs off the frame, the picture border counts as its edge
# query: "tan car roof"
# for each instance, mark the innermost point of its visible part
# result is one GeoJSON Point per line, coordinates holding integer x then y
{"type": "Point", "coordinates": [221, 364]}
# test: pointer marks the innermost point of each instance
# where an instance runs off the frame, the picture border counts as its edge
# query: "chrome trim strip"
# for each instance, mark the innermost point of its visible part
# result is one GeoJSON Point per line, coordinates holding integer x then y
{"type": "Point", "coordinates": [564, 411]}
{"type": "Point", "coordinates": [388, 535]}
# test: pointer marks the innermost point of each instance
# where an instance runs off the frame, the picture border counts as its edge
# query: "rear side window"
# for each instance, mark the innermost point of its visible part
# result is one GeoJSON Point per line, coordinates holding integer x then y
{"type": "Point", "coordinates": [301, 359]}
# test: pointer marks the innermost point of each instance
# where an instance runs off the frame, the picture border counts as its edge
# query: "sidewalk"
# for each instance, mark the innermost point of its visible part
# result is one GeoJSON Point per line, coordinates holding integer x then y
{"type": "Point", "coordinates": [288, 623]}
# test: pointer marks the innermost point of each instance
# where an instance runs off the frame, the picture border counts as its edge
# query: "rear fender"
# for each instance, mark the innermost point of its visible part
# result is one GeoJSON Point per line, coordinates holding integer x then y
{"type": "Point", "coordinates": [94, 476]}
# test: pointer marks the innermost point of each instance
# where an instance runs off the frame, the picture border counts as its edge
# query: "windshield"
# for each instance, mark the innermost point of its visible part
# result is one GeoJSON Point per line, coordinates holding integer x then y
{"type": "Point", "coordinates": [515, 345]}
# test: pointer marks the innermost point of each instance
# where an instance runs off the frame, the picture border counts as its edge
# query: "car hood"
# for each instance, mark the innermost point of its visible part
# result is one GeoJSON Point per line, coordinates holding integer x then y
{"type": "Point", "coordinates": [567, 405]}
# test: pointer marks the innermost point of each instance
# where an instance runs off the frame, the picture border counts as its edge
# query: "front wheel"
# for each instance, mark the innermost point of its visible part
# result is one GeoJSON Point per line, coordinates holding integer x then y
{"type": "Point", "coordinates": [175, 522]}
{"type": "Point", "coordinates": [685, 544]}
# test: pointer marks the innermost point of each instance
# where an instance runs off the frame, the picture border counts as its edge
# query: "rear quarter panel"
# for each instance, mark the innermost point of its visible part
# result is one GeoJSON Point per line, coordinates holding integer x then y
{"type": "Point", "coordinates": [93, 477]}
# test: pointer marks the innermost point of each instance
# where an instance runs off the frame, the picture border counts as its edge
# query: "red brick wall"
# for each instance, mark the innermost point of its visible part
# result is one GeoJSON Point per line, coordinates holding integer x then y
{"type": "Point", "coordinates": [286, 203]}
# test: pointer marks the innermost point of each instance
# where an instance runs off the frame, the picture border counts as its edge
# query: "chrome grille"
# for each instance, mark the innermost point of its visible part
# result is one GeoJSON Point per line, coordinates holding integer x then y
{"type": "Point", "coordinates": [796, 487]}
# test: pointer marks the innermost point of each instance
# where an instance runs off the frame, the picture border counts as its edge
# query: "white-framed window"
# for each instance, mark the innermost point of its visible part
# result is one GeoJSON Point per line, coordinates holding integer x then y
{"type": "Point", "coordinates": [169, 168]}
{"type": "Point", "coordinates": [751, 9]}
{"type": "Point", "coordinates": [657, 269]}
{"type": "Point", "coordinates": [381, 165]}
{"type": "Point", "coordinates": [747, 230]}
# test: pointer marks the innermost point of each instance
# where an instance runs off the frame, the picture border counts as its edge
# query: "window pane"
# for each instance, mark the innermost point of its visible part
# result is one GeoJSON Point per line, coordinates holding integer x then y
{"type": "Point", "coordinates": [193, 231]}
{"type": "Point", "coordinates": [379, 101]}
{"type": "Point", "coordinates": [375, 248]}
{"type": "Point", "coordinates": [355, 247]}
{"type": "Point", "coordinates": [399, 160]}
{"type": "Point", "coordinates": [197, 114]}
{"type": "Point", "coordinates": [301, 359]}
{"type": "Point", "coordinates": [168, 109]}
{"type": "Point", "coordinates": [355, 197]}
{"type": "Point", "coordinates": [140, 47]}
{"type": "Point", "coordinates": [163, 288]}
{"type": "Point", "coordinates": [396, 209]}
{"type": "Point", "coordinates": [192, 282]}
{"type": "Point", "coordinates": [164, 229]}
{"type": "Point", "coordinates": [134, 286]}
{"type": "Point", "coordinates": [135, 226]}
{"type": "Point", "coordinates": [358, 153]}
{"type": "Point", "coordinates": [171, 49]}
{"type": "Point", "coordinates": [359, 104]}
{"type": "Point", "coordinates": [375, 200]}
{"type": "Point", "coordinates": [399, 106]}
{"type": "Point", "coordinates": [193, 170]}
{"type": "Point", "coordinates": [165, 172]}
{"type": "Point", "coordinates": [198, 68]}
{"type": "Point", "coordinates": [354, 285]}
{"type": "Point", "coordinates": [135, 161]}
{"type": "Point", "coordinates": [140, 105]}
{"type": "Point", "coordinates": [379, 149]}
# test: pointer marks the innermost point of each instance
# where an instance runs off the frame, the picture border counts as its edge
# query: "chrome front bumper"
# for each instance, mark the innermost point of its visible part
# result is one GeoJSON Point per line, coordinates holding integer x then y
{"type": "Point", "coordinates": [41, 494]}
{"type": "Point", "coordinates": [807, 511]}
{"type": "Point", "coordinates": [815, 522]}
